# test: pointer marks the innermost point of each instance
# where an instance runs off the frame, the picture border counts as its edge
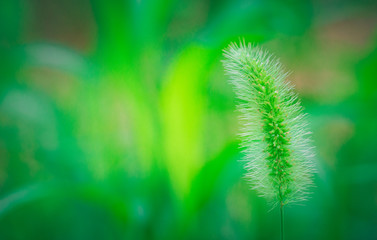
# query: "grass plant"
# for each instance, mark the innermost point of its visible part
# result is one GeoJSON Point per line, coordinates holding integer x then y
{"type": "Point", "coordinates": [275, 136]}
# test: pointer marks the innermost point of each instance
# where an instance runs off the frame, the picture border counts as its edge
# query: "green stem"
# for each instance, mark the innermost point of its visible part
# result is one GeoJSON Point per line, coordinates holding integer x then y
{"type": "Point", "coordinates": [281, 221]}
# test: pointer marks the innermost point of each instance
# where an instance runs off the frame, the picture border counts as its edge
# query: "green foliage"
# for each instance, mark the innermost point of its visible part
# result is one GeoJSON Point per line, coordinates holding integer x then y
{"type": "Point", "coordinates": [275, 135]}
{"type": "Point", "coordinates": [117, 122]}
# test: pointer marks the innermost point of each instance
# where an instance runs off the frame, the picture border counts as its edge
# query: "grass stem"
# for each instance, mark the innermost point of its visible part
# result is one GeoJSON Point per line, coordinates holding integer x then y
{"type": "Point", "coordinates": [281, 221]}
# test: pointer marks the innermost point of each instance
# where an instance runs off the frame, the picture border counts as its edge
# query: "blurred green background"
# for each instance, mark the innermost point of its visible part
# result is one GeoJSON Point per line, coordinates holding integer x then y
{"type": "Point", "coordinates": [117, 122]}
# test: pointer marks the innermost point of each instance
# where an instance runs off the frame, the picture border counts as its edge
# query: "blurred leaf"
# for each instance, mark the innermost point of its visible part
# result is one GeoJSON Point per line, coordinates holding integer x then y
{"type": "Point", "coordinates": [22, 196]}
{"type": "Point", "coordinates": [183, 106]}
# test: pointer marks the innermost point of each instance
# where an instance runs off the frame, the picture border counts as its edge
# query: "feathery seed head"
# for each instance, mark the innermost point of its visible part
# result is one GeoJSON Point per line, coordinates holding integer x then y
{"type": "Point", "coordinates": [275, 138]}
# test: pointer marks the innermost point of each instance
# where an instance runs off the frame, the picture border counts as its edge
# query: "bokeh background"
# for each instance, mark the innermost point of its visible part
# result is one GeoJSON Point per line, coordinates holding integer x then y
{"type": "Point", "coordinates": [117, 122]}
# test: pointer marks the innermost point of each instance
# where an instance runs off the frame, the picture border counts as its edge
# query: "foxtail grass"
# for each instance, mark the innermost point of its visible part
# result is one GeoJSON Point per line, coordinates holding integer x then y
{"type": "Point", "coordinates": [275, 138]}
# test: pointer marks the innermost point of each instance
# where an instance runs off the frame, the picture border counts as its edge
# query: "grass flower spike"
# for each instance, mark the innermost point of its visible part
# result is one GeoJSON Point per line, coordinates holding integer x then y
{"type": "Point", "coordinates": [275, 138]}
